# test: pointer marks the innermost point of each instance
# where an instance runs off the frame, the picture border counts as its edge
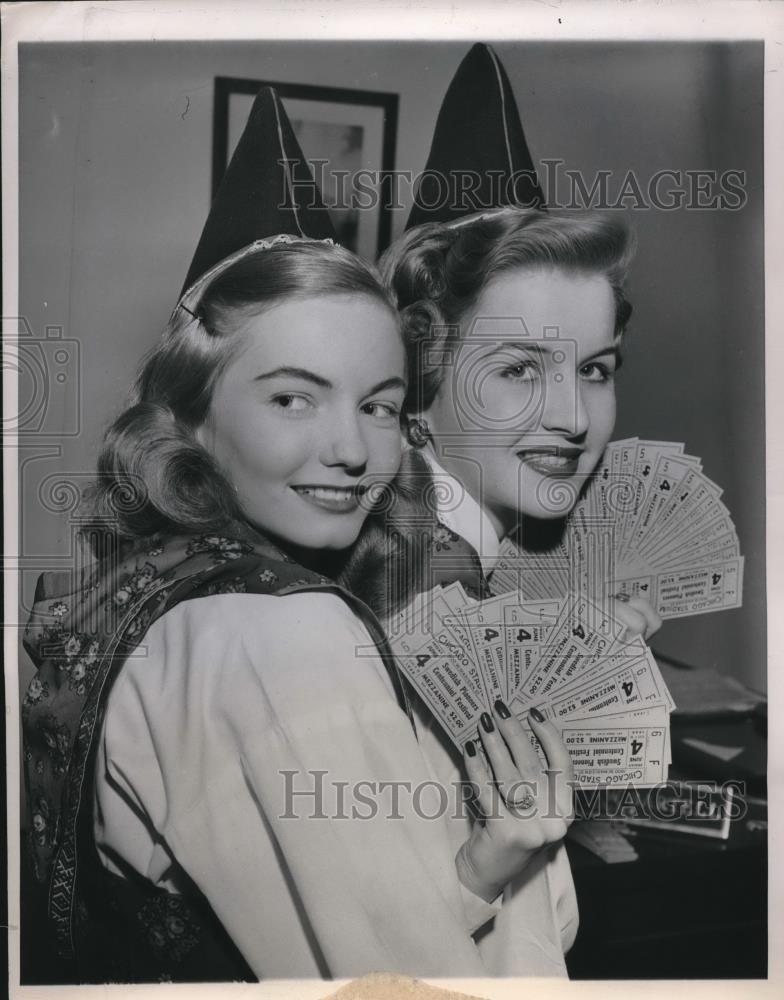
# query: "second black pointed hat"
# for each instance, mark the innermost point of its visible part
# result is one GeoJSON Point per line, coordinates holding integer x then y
{"type": "Point", "coordinates": [479, 159]}
{"type": "Point", "coordinates": [267, 191]}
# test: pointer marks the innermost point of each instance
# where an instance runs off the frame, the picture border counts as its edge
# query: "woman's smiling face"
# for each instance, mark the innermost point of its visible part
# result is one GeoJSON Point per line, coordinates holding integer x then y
{"type": "Point", "coordinates": [527, 405]}
{"type": "Point", "coordinates": [307, 414]}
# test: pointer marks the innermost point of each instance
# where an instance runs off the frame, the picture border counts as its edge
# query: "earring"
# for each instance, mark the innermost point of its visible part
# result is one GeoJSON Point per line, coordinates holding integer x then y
{"type": "Point", "coordinates": [418, 433]}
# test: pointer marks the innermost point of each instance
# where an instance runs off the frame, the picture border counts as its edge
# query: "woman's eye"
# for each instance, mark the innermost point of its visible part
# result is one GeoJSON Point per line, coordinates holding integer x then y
{"type": "Point", "coordinates": [292, 403]}
{"type": "Point", "coordinates": [595, 372]}
{"type": "Point", "coordinates": [522, 371]}
{"type": "Point", "coordinates": [381, 410]}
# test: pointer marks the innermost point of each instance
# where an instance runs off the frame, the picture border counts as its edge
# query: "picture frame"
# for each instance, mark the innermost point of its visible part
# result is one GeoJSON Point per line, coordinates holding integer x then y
{"type": "Point", "coordinates": [348, 137]}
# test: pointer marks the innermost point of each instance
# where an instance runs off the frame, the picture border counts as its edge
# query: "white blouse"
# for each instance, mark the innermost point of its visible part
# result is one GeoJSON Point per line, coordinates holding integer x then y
{"type": "Point", "coordinates": [255, 743]}
{"type": "Point", "coordinates": [462, 514]}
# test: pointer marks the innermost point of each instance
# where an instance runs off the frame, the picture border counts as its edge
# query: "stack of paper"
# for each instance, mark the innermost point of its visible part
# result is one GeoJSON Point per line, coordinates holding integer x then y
{"type": "Point", "coordinates": [649, 524]}
{"type": "Point", "coordinates": [568, 658]}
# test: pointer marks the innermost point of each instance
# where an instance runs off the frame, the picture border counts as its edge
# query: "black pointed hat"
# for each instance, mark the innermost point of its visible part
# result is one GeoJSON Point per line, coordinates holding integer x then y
{"type": "Point", "coordinates": [267, 191]}
{"type": "Point", "coordinates": [479, 159]}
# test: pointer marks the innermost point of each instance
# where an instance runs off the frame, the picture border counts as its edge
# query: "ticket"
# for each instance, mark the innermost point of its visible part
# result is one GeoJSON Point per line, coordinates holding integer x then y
{"type": "Point", "coordinates": [484, 624]}
{"type": "Point", "coordinates": [454, 639]}
{"type": "Point", "coordinates": [444, 683]}
{"type": "Point", "coordinates": [592, 557]}
{"type": "Point", "coordinates": [715, 587]}
{"type": "Point", "coordinates": [615, 755]}
{"type": "Point", "coordinates": [703, 535]}
{"type": "Point", "coordinates": [628, 749]}
{"type": "Point", "coordinates": [526, 630]}
{"type": "Point", "coordinates": [721, 549]}
{"type": "Point", "coordinates": [666, 477]}
{"type": "Point", "coordinates": [625, 501]}
{"type": "Point", "coordinates": [507, 573]}
{"type": "Point", "coordinates": [712, 548]}
{"type": "Point", "coordinates": [646, 458]}
{"type": "Point", "coordinates": [689, 591]}
{"type": "Point", "coordinates": [432, 627]}
{"type": "Point", "coordinates": [693, 490]}
{"type": "Point", "coordinates": [653, 716]}
{"type": "Point", "coordinates": [626, 685]}
{"type": "Point", "coordinates": [583, 633]}
{"type": "Point", "coordinates": [700, 508]}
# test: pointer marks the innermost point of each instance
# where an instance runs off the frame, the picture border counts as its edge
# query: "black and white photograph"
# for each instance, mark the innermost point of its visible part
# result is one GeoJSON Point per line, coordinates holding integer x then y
{"type": "Point", "coordinates": [389, 480]}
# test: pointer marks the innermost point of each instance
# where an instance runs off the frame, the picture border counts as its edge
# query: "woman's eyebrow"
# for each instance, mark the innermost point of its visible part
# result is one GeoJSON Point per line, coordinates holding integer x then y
{"type": "Point", "coordinates": [547, 347]}
{"type": "Point", "coordinates": [286, 371]}
{"type": "Point", "coordinates": [530, 347]}
{"type": "Point", "coordinates": [615, 351]}
{"type": "Point", "coordinates": [389, 383]}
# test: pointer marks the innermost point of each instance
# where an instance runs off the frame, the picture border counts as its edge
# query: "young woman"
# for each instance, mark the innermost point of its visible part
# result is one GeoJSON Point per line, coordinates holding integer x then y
{"type": "Point", "coordinates": [516, 318]}
{"type": "Point", "coordinates": [223, 774]}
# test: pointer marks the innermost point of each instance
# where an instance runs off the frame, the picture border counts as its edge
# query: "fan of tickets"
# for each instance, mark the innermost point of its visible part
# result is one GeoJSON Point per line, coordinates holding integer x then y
{"type": "Point", "coordinates": [568, 658]}
{"type": "Point", "coordinates": [650, 524]}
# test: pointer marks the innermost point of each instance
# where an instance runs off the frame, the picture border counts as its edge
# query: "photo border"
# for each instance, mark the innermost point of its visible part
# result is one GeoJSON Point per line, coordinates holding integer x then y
{"type": "Point", "coordinates": [456, 20]}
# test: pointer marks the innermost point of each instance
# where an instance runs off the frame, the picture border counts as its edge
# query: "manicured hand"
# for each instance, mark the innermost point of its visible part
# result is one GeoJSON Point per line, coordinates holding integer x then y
{"type": "Point", "coordinates": [525, 806]}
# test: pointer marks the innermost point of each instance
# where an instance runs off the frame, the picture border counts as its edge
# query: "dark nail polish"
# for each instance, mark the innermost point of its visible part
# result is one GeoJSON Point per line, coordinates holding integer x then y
{"type": "Point", "coordinates": [501, 708]}
{"type": "Point", "coordinates": [487, 722]}
{"type": "Point", "coordinates": [536, 715]}
{"type": "Point", "coordinates": [470, 748]}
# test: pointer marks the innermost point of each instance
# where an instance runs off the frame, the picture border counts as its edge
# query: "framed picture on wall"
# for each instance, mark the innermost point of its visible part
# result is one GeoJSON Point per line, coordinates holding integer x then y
{"type": "Point", "coordinates": [348, 137]}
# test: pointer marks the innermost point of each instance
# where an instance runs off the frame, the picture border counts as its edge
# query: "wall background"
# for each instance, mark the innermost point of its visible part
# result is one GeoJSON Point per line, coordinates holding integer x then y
{"type": "Point", "coordinates": [114, 187]}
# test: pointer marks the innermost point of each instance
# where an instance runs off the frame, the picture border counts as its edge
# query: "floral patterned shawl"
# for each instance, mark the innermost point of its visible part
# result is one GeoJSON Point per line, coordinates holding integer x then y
{"type": "Point", "coordinates": [81, 632]}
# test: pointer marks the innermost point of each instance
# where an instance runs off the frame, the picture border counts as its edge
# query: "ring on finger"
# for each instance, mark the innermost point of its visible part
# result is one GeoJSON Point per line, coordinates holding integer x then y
{"type": "Point", "coordinates": [522, 800]}
{"type": "Point", "coordinates": [624, 598]}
